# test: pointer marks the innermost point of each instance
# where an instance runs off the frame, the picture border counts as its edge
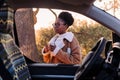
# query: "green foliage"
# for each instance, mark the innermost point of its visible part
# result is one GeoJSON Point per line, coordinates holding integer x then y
{"type": "Point", "coordinates": [87, 36]}
{"type": "Point", "coordinates": [43, 36]}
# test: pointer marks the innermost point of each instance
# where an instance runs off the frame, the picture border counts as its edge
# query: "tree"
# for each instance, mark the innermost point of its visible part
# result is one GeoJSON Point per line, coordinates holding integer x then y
{"type": "Point", "coordinates": [34, 15]}
{"type": "Point", "coordinates": [110, 5]}
{"type": "Point", "coordinates": [26, 34]}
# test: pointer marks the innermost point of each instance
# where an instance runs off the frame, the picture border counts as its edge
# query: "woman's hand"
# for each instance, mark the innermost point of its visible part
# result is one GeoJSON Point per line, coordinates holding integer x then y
{"type": "Point", "coordinates": [52, 47]}
{"type": "Point", "coordinates": [46, 48]}
{"type": "Point", "coordinates": [49, 48]}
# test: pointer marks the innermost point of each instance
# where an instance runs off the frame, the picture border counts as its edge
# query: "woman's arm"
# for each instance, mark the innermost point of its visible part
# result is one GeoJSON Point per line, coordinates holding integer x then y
{"type": "Point", "coordinates": [74, 57]}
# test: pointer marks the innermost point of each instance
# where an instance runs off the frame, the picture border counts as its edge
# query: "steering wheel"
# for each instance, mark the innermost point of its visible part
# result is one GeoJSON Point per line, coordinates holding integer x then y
{"type": "Point", "coordinates": [92, 62]}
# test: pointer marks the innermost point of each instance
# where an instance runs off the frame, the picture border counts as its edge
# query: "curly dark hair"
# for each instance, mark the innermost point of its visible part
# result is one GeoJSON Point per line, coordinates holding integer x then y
{"type": "Point", "coordinates": [66, 17]}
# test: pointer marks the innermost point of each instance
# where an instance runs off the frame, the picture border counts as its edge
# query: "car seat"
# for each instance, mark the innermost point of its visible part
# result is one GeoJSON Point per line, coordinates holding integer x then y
{"type": "Point", "coordinates": [12, 59]}
{"type": "Point", "coordinates": [12, 63]}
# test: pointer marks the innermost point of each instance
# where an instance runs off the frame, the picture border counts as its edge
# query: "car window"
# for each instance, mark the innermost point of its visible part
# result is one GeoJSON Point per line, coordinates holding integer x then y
{"type": "Point", "coordinates": [34, 29]}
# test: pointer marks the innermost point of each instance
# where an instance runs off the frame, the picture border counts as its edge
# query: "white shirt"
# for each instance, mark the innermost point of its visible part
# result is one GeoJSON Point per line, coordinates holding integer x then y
{"type": "Point", "coordinates": [57, 41]}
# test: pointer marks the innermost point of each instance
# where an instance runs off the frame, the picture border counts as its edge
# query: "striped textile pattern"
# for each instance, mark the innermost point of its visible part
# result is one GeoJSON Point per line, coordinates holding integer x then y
{"type": "Point", "coordinates": [9, 52]}
{"type": "Point", "coordinates": [6, 20]}
{"type": "Point", "coordinates": [13, 59]}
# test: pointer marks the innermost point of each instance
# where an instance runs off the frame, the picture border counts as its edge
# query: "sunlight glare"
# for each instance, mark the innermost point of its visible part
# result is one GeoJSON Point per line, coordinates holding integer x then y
{"type": "Point", "coordinates": [44, 18]}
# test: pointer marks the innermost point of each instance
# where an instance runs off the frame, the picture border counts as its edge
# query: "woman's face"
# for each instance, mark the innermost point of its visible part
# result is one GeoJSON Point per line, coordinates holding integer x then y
{"type": "Point", "coordinates": [59, 26]}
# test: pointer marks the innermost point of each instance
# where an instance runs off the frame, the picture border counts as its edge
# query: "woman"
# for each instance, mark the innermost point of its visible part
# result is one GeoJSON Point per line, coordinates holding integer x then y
{"type": "Point", "coordinates": [63, 47]}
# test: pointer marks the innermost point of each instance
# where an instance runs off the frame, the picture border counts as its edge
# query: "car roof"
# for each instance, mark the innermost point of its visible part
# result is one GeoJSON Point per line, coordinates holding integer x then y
{"type": "Point", "coordinates": [84, 7]}
{"type": "Point", "coordinates": [48, 3]}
